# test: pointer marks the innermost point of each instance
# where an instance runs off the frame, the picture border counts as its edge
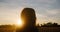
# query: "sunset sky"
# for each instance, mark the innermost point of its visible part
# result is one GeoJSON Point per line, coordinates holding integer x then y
{"type": "Point", "coordinates": [46, 10]}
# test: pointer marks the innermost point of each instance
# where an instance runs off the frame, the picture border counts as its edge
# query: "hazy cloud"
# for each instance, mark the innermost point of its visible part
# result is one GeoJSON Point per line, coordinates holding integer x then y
{"type": "Point", "coordinates": [53, 12]}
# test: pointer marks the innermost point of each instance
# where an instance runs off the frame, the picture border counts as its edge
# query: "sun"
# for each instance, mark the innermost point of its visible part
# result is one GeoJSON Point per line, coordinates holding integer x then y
{"type": "Point", "coordinates": [19, 22]}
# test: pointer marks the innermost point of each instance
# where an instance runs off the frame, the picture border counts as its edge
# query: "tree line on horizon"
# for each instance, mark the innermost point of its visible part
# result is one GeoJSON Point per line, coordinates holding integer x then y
{"type": "Point", "coordinates": [12, 27]}
{"type": "Point", "coordinates": [49, 24]}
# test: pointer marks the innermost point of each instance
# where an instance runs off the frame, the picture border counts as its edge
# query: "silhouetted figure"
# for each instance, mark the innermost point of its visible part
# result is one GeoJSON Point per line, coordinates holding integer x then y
{"type": "Point", "coordinates": [29, 18]}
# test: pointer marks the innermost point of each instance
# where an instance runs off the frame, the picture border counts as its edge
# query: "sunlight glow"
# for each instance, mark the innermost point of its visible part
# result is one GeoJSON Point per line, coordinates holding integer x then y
{"type": "Point", "coordinates": [19, 23]}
